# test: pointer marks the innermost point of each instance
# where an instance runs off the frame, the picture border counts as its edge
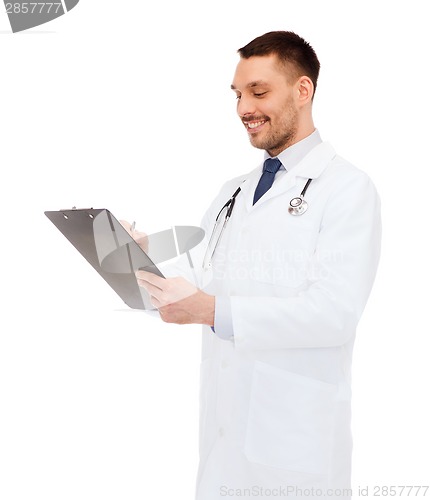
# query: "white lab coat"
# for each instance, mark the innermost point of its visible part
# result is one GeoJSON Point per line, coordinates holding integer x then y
{"type": "Point", "coordinates": [275, 400]}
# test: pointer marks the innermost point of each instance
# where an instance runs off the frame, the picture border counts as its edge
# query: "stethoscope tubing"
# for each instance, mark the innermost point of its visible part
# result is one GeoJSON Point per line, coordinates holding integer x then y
{"type": "Point", "coordinates": [298, 206]}
{"type": "Point", "coordinates": [302, 194]}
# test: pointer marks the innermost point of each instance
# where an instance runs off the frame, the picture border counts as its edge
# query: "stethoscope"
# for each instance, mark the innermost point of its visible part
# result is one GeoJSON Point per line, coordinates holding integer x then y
{"type": "Point", "coordinates": [298, 206]}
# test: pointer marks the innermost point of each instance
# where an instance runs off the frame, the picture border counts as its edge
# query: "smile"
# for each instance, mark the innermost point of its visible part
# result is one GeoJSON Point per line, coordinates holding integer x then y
{"type": "Point", "coordinates": [254, 126]}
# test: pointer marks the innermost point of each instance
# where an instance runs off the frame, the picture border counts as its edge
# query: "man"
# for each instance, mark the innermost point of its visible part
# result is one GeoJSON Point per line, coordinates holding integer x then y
{"type": "Point", "coordinates": [281, 295]}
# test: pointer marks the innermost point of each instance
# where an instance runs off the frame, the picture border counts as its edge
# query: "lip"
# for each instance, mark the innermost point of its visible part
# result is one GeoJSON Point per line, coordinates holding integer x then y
{"type": "Point", "coordinates": [256, 129]}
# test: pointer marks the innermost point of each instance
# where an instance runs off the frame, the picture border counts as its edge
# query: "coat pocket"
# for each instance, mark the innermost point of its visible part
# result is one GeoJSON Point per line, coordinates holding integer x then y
{"type": "Point", "coordinates": [290, 420]}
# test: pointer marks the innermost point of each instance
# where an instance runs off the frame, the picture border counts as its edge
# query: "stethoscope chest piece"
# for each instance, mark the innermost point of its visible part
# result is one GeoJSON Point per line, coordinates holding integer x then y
{"type": "Point", "coordinates": [298, 206]}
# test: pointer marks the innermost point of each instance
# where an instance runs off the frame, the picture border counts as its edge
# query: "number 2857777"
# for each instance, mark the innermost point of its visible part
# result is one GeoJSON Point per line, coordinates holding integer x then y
{"type": "Point", "coordinates": [33, 8]}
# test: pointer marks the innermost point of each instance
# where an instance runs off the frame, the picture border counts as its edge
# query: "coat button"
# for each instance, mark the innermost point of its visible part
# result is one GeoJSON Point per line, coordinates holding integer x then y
{"type": "Point", "coordinates": [221, 432]}
{"type": "Point", "coordinates": [225, 363]}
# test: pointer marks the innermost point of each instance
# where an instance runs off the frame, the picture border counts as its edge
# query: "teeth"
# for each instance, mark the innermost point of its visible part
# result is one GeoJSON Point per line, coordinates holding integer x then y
{"type": "Point", "coordinates": [255, 124]}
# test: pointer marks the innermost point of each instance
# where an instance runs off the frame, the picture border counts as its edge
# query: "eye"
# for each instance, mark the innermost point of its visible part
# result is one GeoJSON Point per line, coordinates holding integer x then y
{"type": "Point", "coordinates": [261, 94]}
{"type": "Point", "coordinates": [238, 97]}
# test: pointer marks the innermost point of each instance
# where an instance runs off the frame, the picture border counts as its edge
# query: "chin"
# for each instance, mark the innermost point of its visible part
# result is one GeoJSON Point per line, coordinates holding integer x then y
{"type": "Point", "coordinates": [259, 144]}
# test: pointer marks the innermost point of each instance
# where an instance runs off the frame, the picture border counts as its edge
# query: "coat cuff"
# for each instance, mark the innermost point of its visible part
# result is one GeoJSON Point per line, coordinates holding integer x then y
{"type": "Point", "coordinates": [223, 326]}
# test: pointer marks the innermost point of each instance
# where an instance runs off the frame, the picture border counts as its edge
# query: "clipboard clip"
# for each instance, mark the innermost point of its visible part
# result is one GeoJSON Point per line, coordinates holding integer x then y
{"type": "Point", "coordinates": [74, 208]}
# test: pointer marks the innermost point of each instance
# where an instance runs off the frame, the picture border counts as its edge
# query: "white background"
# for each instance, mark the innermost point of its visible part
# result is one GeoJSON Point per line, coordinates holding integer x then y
{"type": "Point", "coordinates": [127, 105]}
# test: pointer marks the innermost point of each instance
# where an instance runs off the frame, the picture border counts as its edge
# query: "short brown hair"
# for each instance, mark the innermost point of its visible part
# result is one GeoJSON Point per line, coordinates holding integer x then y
{"type": "Point", "coordinates": [290, 49]}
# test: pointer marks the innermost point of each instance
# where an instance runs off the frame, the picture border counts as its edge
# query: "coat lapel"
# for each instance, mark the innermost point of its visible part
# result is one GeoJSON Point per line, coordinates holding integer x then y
{"type": "Point", "coordinates": [311, 167]}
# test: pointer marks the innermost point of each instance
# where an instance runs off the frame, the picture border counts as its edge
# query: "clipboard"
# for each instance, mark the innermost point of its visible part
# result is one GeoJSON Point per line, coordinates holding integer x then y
{"type": "Point", "coordinates": [101, 239]}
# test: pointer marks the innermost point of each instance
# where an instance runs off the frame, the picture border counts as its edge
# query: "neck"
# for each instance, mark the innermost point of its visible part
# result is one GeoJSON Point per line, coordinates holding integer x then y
{"type": "Point", "coordinates": [305, 131]}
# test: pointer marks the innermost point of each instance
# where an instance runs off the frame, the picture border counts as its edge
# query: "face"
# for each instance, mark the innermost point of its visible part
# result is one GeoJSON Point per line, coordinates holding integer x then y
{"type": "Point", "coordinates": [265, 103]}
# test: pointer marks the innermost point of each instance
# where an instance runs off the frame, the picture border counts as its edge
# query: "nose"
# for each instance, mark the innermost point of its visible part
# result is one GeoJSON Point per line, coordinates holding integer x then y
{"type": "Point", "coordinates": [245, 106]}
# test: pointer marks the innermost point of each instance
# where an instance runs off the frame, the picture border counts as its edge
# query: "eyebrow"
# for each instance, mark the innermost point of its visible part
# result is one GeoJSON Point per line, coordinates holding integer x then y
{"type": "Point", "coordinates": [257, 83]}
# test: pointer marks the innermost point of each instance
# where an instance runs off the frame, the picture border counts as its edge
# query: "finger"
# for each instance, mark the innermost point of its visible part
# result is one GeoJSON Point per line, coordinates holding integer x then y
{"type": "Point", "coordinates": [151, 278]}
{"type": "Point", "coordinates": [156, 303]}
{"type": "Point", "coordinates": [126, 225]}
{"type": "Point", "coordinates": [163, 314]}
{"type": "Point", "coordinates": [151, 289]}
{"type": "Point", "coordinates": [139, 235]}
{"type": "Point", "coordinates": [141, 239]}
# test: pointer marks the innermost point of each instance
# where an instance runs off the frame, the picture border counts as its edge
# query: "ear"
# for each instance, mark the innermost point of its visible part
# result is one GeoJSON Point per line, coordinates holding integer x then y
{"type": "Point", "coordinates": [305, 90]}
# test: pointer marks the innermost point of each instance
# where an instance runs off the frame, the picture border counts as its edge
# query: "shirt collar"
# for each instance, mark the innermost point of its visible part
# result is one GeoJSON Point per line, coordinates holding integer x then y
{"type": "Point", "coordinates": [291, 156]}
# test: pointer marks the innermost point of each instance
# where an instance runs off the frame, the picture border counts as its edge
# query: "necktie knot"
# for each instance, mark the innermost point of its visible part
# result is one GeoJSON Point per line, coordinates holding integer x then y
{"type": "Point", "coordinates": [271, 165]}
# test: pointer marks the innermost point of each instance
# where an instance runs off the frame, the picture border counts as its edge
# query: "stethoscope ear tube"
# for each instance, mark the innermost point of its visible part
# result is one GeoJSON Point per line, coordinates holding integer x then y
{"type": "Point", "coordinates": [229, 206]}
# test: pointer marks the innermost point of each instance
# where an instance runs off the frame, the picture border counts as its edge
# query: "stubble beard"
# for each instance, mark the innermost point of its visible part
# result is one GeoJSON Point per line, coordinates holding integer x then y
{"type": "Point", "coordinates": [276, 140]}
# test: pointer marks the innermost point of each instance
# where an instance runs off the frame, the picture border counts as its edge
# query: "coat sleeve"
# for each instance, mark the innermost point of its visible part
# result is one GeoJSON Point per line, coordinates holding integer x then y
{"type": "Point", "coordinates": [326, 313]}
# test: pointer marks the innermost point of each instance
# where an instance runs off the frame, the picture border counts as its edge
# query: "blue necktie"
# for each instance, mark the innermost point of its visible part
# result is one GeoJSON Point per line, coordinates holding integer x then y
{"type": "Point", "coordinates": [271, 166]}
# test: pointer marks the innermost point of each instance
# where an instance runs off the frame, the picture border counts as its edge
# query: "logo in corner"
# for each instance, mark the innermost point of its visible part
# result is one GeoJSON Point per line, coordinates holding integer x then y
{"type": "Point", "coordinates": [24, 15]}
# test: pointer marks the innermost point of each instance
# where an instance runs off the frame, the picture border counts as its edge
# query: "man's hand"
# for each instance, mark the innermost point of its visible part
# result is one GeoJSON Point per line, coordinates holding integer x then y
{"type": "Point", "coordinates": [178, 300]}
{"type": "Point", "coordinates": [140, 238]}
